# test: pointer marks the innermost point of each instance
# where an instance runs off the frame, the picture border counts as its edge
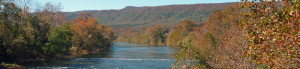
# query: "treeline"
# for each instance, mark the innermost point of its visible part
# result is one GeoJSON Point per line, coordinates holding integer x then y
{"type": "Point", "coordinates": [158, 35]}
{"type": "Point", "coordinates": [38, 35]}
{"type": "Point", "coordinates": [154, 35]}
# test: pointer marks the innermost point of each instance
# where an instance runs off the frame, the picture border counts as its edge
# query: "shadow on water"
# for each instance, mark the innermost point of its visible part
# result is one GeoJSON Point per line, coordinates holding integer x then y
{"type": "Point", "coordinates": [120, 55]}
{"type": "Point", "coordinates": [102, 53]}
{"type": "Point", "coordinates": [67, 62]}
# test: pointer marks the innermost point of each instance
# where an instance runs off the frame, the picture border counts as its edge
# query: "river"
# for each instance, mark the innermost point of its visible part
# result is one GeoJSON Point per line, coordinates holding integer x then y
{"type": "Point", "coordinates": [121, 55]}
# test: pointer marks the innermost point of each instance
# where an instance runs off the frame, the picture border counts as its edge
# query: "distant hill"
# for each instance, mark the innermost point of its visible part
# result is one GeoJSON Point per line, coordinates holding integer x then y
{"type": "Point", "coordinates": [170, 15]}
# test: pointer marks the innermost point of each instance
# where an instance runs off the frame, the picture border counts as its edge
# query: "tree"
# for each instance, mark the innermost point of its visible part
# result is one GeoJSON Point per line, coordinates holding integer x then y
{"type": "Point", "coordinates": [51, 13]}
{"type": "Point", "coordinates": [188, 57]}
{"type": "Point", "coordinates": [59, 41]}
{"type": "Point", "coordinates": [214, 22]}
{"type": "Point", "coordinates": [231, 42]}
{"type": "Point", "coordinates": [88, 34]}
{"type": "Point", "coordinates": [9, 27]}
{"type": "Point", "coordinates": [36, 34]}
{"type": "Point", "coordinates": [23, 35]}
{"type": "Point", "coordinates": [156, 34]}
{"type": "Point", "coordinates": [181, 31]}
{"type": "Point", "coordinates": [272, 30]}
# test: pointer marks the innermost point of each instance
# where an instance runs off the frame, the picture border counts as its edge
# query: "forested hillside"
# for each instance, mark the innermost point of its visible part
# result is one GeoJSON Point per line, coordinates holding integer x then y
{"type": "Point", "coordinates": [170, 15]}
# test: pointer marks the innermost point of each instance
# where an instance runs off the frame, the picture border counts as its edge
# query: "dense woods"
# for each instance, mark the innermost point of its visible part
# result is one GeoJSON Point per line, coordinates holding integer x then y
{"type": "Point", "coordinates": [265, 35]}
{"type": "Point", "coordinates": [35, 36]}
{"type": "Point", "coordinates": [207, 43]}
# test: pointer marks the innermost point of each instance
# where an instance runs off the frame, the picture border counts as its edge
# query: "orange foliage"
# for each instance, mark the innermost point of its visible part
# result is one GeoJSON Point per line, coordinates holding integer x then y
{"type": "Point", "coordinates": [89, 34]}
{"type": "Point", "coordinates": [182, 30]}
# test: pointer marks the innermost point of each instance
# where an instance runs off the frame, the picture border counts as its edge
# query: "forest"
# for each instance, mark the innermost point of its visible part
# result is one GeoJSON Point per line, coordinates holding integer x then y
{"type": "Point", "coordinates": [245, 34]}
{"type": "Point", "coordinates": [36, 36]}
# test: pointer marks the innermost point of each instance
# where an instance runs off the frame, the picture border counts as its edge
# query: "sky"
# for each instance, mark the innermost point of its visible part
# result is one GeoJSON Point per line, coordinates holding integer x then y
{"type": "Point", "coordinates": [79, 5]}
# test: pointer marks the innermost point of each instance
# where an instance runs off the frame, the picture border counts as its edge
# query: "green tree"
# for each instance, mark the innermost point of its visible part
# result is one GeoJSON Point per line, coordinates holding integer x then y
{"type": "Point", "coordinates": [59, 41]}
{"type": "Point", "coordinates": [188, 57]}
{"type": "Point", "coordinates": [10, 28]}
{"type": "Point", "coordinates": [36, 35]}
{"type": "Point", "coordinates": [23, 35]}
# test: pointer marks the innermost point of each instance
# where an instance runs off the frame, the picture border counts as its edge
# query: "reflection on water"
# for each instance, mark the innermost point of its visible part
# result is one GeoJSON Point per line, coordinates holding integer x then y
{"type": "Point", "coordinates": [119, 56]}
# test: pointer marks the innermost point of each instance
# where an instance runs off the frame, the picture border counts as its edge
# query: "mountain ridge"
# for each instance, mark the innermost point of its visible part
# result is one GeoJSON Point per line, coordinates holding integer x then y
{"type": "Point", "coordinates": [132, 17]}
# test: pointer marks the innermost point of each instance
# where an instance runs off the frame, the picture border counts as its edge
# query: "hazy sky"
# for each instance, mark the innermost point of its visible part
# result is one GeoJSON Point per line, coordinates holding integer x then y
{"type": "Point", "coordinates": [78, 5]}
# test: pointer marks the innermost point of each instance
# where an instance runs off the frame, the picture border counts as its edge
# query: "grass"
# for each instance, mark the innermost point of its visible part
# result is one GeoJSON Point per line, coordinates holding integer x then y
{"type": "Point", "coordinates": [9, 65]}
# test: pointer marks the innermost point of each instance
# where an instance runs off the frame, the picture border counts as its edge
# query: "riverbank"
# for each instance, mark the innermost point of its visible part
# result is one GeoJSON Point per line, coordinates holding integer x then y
{"type": "Point", "coordinates": [121, 55]}
{"type": "Point", "coordinates": [43, 60]}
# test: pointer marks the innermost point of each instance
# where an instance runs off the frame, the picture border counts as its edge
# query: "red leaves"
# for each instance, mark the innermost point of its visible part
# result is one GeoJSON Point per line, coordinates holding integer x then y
{"type": "Point", "coordinates": [279, 36]}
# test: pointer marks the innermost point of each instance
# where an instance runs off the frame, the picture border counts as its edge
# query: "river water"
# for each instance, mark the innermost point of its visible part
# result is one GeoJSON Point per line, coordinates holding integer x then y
{"type": "Point", "coordinates": [119, 56]}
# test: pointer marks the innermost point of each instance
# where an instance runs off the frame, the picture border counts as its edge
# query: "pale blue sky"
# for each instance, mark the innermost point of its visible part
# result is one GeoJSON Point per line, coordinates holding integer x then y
{"type": "Point", "coordinates": [78, 5]}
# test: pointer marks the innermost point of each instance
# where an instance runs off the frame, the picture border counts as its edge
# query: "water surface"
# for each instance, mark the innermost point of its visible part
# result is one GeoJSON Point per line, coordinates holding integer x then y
{"type": "Point", "coordinates": [119, 56]}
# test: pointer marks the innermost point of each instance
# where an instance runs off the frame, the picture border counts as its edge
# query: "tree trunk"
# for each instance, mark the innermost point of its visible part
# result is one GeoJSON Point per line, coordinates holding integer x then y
{"type": "Point", "coordinates": [80, 45]}
{"type": "Point", "coordinates": [3, 51]}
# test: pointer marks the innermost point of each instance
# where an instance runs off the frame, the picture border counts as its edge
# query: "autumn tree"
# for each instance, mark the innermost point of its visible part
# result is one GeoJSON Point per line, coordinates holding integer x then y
{"type": "Point", "coordinates": [231, 42]}
{"type": "Point", "coordinates": [218, 43]}
{"type": "Point", "coordinates": [24, 35]}
{"type": "Point", "coordinates": [181, 31]}
{"type": "Point", "coordinates": [38, 35]}
{"type": "Point", "coordinates": [272, 30]}
{"type": "Point", "coordinates": [214, 23]}
{"type": "Point", "coordinates": [9, 27]}
{"type": "Point", "coordinates": [37, 27]}
{"type": "Point", "coordinates": [88, 34]}
{"type": "Point", "coordinates": [156, 34]}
